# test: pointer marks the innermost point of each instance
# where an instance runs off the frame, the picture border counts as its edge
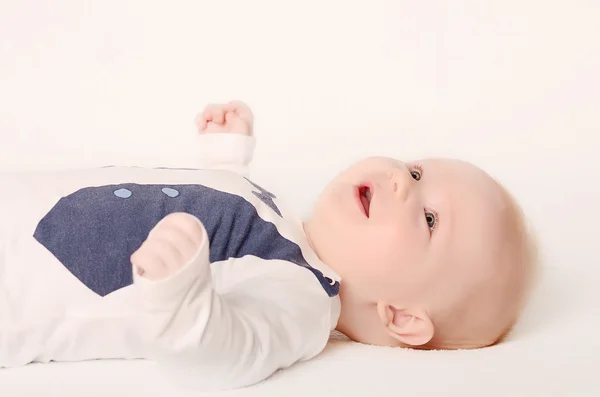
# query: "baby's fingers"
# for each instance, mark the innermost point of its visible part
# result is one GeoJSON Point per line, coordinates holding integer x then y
{"type": "Point", "coordinates": [231, 117]}
{"type": "Point", "coordinates": [201, 121]}
{"type": "Point", "coordinates": [214, 113]}
{"type": "Point", "coordinates": [240, 108]}
{"type": "Point", "coordinates": [149, 264]}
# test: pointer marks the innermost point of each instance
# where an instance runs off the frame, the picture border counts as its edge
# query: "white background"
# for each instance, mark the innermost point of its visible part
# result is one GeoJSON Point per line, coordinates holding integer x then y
{"type": "Point", "coordinates": [513, 86]}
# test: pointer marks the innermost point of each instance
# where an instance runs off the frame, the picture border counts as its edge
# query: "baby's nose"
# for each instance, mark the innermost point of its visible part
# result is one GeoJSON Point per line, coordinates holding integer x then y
{"type": "Point", "coordinates": [402, 183]}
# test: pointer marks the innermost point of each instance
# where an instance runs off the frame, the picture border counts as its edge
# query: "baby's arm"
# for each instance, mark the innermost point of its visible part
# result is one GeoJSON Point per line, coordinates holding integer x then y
{"type": "Point", "coordinates": [267, 321]}
{"type": "Point", "coordinates": [226, 137]}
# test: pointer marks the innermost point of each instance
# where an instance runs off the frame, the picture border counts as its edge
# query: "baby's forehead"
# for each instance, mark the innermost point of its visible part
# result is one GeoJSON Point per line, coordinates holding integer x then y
{"type": "Point", "coordinates": [460, 175]}
{"type": "Point", "coordinates": [453, 166]}
{"type": "Point", "coordinates": [480, 245]}
{"type": "Point", "coordinates": [473, 198]}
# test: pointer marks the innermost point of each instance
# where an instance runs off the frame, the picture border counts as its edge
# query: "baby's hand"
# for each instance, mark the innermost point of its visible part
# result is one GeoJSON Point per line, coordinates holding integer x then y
{"type": "Point", "coordinates": [234, 117]}
{"type": "Point", "coordinates": [172, 243]}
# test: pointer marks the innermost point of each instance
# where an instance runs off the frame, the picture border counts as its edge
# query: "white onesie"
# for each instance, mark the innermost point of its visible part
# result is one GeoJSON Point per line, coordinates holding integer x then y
{"type": "Point", "coordinates": [254, 299]}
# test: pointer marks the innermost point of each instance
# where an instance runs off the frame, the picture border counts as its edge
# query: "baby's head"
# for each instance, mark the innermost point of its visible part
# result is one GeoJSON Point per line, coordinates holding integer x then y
{"type": "Point", "coordinates": [432, 254]}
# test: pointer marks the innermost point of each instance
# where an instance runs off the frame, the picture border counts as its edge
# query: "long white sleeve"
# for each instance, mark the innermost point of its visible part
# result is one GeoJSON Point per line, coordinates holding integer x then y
{"type": "Point", "coordinates": [232, 152]}
{"type": "Point", "coordinates": [270, 318]}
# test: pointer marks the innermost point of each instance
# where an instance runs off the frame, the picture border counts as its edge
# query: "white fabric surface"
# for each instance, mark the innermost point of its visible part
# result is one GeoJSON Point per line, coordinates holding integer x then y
{"type": "Point", "coordinates": [511, 85]}
{"type": "Point", "coordinates": [554, 352]}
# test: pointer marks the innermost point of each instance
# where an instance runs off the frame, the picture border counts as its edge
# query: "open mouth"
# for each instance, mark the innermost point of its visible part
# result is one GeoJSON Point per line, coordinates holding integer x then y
{"type": "Point", "coordinates": [364, 195]}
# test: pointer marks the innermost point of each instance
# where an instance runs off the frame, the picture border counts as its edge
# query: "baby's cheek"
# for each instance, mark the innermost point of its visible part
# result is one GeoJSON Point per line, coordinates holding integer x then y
{"type": "Point", "coordinates": [382, 259]}
{"type": "Point", "coordinates": [400, 254]}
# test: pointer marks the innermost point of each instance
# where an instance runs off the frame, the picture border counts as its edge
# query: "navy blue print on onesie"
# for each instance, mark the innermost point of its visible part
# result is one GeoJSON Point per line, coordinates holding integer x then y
{"type": "Point", "coordinates": [265, 196]}
{"type": "Point", "coordinates": [94, 231]}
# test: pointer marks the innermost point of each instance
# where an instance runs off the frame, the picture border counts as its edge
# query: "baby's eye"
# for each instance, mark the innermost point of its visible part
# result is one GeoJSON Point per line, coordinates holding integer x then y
{"type": "Point", "coordinates": [416, 174]}
{"type": "Point", "coordinates": [431, 219]}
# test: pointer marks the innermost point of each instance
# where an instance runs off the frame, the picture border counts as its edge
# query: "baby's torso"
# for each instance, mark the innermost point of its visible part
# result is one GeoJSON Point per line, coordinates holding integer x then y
{"type": "Point", "coordinates": [66, 238]}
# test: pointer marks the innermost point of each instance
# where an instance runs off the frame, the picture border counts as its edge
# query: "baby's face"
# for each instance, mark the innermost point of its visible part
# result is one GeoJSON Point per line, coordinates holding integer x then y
{"type": "Point", "coordinates": [407, 233]}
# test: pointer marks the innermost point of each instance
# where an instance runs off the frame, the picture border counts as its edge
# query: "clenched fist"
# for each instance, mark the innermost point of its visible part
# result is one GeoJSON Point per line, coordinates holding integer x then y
{"type": "Point", "coordinates": [234, 117]}
{"type": "Point", "coordinates": [171, 244]}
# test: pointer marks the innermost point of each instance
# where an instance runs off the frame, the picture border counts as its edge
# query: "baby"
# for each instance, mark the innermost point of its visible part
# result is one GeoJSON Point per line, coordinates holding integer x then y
{"type": "Point", "coordinates": [212, 276]}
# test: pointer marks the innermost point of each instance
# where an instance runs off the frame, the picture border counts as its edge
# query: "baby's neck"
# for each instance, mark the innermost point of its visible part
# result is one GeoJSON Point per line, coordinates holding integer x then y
{"type": "Point", "coordinates": [358, 318]}
{"type": "Point", "coordinates": [309, 238]}
{"type": "Point", "coordinates": [313, 246]}
{"type": "Point", "coordinates": [360, 322]}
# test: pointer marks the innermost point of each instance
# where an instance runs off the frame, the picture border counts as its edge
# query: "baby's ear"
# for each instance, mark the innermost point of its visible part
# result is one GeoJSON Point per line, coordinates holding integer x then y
{"type": "Point", "coordinates": [409, 326]}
